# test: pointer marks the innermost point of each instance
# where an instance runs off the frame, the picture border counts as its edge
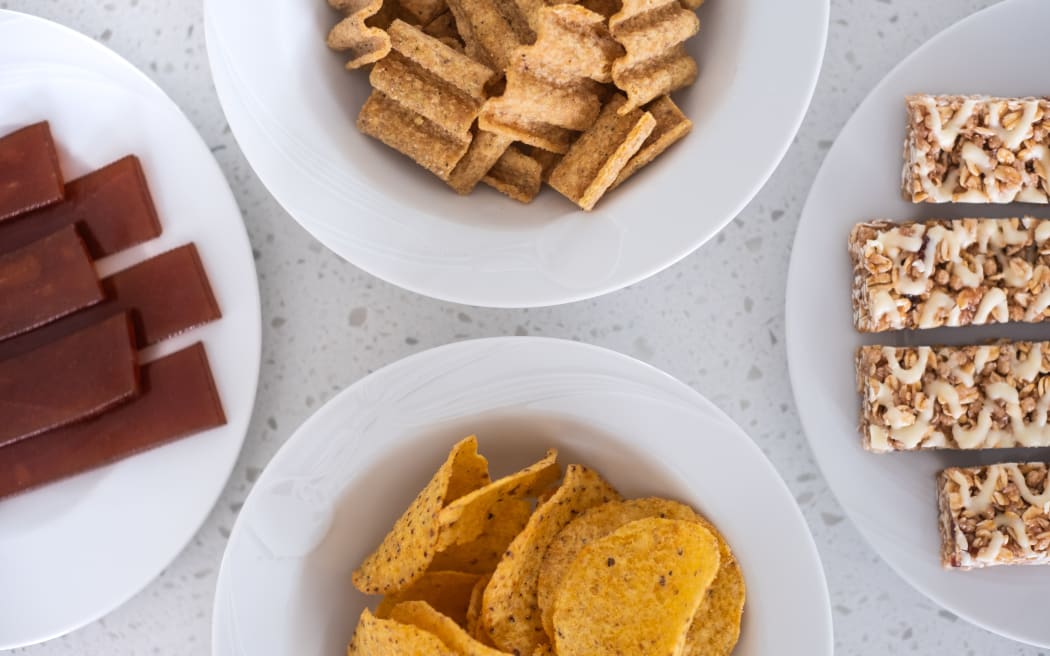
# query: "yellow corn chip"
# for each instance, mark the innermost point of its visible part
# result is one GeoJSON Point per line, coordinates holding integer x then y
{"type": "Point", "coordinates": [652, 575]}
{"type": "Point", "coordinates": [543, 650]}
{"type": "Point", "coordinates": [474, 607]}
{"type": "Point", "coordinates": [485, 150]}
{"type": "Point", "coordinates": [465, 518]}
{"type": "Point", "coordinates": [671, 125]}
{"type": "Point", "coordinates": [509, 614]}
{"type": "Point", "coordinates": [490, 29]}
{"type": "Point", "coordinates": [716, 626]}
{"type": "Point", "coordinates": [366, 44]}
{"type": "Point", "coordinates": [407, 550]}
{"type": "Point", "coordinates": [598, 156]}
{"type": "Point", "coordinates": [592, 525]}
{"type": "Point", "coordinates": [516, 175]}
{"type": "Point", "coordinates": [483, 553]}
{"type": "Point", "coordinates": [652, 32]}
{"type": "Point", "coordinates": [552, 84]}
{"type": "Point", "coordinates": [421, 615]}
{"type": "Point", "coordinates": [447, 592]}
{"type": "Point", "coordinates": [376, 637]}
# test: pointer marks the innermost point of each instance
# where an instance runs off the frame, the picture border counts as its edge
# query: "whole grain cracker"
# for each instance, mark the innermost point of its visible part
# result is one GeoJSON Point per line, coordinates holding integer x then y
{"type": "Point", "coordinates": [509, 613]}
{"type": "Point", "coordinates": [598, 156]}
{"type": "Point", "coordinates": [653, 33]}
{"type": "Point", "coordinates": [671, 126]}
{"type": "Point", "coordinates": [423, 141]}
{"type": "Point", "coordinates": [406, 552]}
{"type": "Point", "coordinates": [516, 175]}
{"type": "Point", "coordinates": [367, 44]}
{"type": "Point", "coordinates": [485, 150]}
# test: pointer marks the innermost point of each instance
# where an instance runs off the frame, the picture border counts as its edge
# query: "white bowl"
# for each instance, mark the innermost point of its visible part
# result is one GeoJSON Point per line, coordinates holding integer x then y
{"type": "Point", "coordinates": [337, 486]}
{"type": "Point", "coordinates": [292, 108]}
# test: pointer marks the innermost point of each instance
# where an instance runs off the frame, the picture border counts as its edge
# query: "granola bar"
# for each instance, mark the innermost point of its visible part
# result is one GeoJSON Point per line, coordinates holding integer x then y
{"type": "Point", "coordinates": [949, 273]}
{"type": "Point", "coordinates": [977, 149]}
{"type": "Point", "coordinates": [954, 397]}
{"type": "Point", "coordinates": [994, 515]}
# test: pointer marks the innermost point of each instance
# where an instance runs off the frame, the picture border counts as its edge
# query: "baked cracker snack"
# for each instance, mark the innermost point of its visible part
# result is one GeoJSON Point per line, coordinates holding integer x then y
{"type": "Point", "coordinates": [671, 126]}
{"type": "Point", "coordinates": [653, 32]}
{"type": "Point", "coordinates": [516, 175]}
{"type": "Point", "coordinates": [367, 44]}
{"type": "Point", "coordinates": [596, 159]}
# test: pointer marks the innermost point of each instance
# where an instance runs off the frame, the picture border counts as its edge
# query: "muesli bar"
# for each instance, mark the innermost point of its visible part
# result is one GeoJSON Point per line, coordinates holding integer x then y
{"type": "Point", "coordinates": [954, 397]}
{"type": "Point", "coordinates": [994, 515]}
{"type": "Point", "coordinates": [977, 149]}
{"type": "Point", "coordinates": [949, 273]}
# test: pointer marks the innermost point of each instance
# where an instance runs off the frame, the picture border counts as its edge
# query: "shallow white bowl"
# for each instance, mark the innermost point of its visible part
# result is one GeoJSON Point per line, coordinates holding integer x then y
{"type": "Point", "coordinates": [337, 486]}
{"type": "Point", "coordinates": [891, 498]}
{"type": "Point", "coordinates": [292, 108]}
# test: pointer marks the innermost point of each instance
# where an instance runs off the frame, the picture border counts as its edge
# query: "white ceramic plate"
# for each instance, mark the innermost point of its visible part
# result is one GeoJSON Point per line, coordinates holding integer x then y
{"type": "Point", "coordinates": [335, 488]}
{"type": "Point", "coordinates": [891, 497]}
{"type": "Point", "coordinates": [73, 551]}
{"type": "Point", "coordinates": [292, 107]}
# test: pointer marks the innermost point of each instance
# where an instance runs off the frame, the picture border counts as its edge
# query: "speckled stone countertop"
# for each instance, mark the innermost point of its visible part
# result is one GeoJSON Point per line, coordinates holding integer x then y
{"type": "Point", "coordinates": [714, 321]}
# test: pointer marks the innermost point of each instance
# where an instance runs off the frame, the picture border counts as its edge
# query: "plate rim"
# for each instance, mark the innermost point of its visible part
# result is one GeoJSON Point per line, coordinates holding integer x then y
{"type": "Point", "coordinates": [163, 98]}
{"type": "Point", "coordinates": [300, 434]}
{"type": "Point", "coordinates": [805, 418]}
{"type": "Point", "coordinates": [228, 97]}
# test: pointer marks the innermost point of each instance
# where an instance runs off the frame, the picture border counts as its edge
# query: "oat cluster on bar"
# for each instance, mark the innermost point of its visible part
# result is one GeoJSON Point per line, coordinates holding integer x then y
{"type": "Point", "coordinates": [925, 274]}
{"type": "Point", "coordinates": [977, 149]}
{"type": "Point", "coordinates": [994, 515]}
{"type": "Point", "coordinates": [954, 397]}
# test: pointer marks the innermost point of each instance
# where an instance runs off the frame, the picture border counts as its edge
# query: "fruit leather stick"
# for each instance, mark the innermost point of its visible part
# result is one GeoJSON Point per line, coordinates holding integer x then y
{"type": "Point", "coordinates": [76, 377]}
{"type": "Point", "coordinates": [29, 172]}
{"type": "Point", "coordinates": [178, 398]}
{"type": "Point", "coordinates": [44, 281]}
{"type": "Point", "coordinates": [166, 295]}
{"type": "Point", "coordinates": [111, 207]}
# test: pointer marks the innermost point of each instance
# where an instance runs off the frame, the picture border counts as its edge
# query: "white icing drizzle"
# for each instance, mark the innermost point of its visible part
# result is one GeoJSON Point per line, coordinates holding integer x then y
{"type": "Point", "coordinates": [912, 374]}
{"type": "Point", "coordinates": [993, 304]}
{"type": "Point", "coordinates": [1014, 137]}
{"type": "Point", "coordinates": [1038, 305]}
{"type": "Point", "coordinates": [946, 134]}
{"type": "Point", "coordinates": [935, 306]}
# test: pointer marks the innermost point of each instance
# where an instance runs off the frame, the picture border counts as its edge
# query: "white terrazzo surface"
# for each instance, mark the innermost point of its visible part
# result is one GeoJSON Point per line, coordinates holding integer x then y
{"type": "Point", "coordinates": [714, 321]}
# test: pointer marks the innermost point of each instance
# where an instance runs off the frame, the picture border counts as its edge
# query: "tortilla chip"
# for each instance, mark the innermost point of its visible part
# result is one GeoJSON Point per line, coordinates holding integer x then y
{"type": "Point", "coordinates": [653, 33]}
{"type": "Point", "coordinates": [367, 44]}
{"type": "Point", "coordinates": [406, 552]}
{"type": "Point", "coordinates": [465, 518]}
{"type": "Point", "coordinates": [474, 606]}
{"type": "Point", "coordinates": [671, 126]}
{"type": "Point", "coordinates": [597, 157]}
{"type": "Point", "coordinates": [447, 592]}
{"type": "Point", "coordinates": [509, 614]}
{"type": "Point", "coordinates": [483, 553]}
{"type": "Point", "coordinates": [593, 525]}
{"type": "Point", "coordinates": [376, 637]}
{"type": "Point", "coordinates": [716, 627]}
{"type": "Point", "coordinates": [516, 175]}
{"type": "Point", "coordinates": [420, 614]}
{"type": "Point", "coordinates": [652, 575]}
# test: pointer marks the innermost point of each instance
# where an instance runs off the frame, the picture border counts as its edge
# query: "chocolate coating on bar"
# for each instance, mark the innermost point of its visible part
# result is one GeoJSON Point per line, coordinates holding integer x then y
{"type": "Point", "coordinates": [178, 399]}
{"type": "Point", "coordinates": [44, 281]}
{"type": "Point", "coordinates": [111, 207]}
{"type": "Point", "coordinates": [74, 378]}
{"type": "Point", "coordinates": [166, 295]}
{"type": "Point", "coordinates": [29, 172]}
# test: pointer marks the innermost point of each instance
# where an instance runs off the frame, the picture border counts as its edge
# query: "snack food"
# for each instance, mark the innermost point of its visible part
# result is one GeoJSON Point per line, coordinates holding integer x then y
{"type": "Point", "coordinates": [994, 515]}
{"type": "Point", "coordinates": [954, 397]}
{"type": "Point", "coordinates": [67, 380]}
{"type": "Point", "coordinates": [977, 149]}
{"type": "Point", "coordinates": [29, 170]}
{"type": "Point", "coordinates": [509, 612]}
{"type": "Point", "coordinates": [406, 552]}
{"type": "Point", "coordinates": [44, 281]}
{"type": "Point", "coordinates": [949, 273]}
{"type": "Point", "coordinates": [178, 398]}
{"type": "Point", "coordinates": [597, 158]}
{"type": "Point", "coordinates": [652, 575]}
{"type": "Point", "coordinates": [653, 34]}
{"type": "Point", "coordinates": [111, 207]}
{"type": "Point", "coordinates": [533, 74]}
{"type": "Point", "coordinates": [693, 606]}
{"type": "Point", "coordinates": [187, 301]}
